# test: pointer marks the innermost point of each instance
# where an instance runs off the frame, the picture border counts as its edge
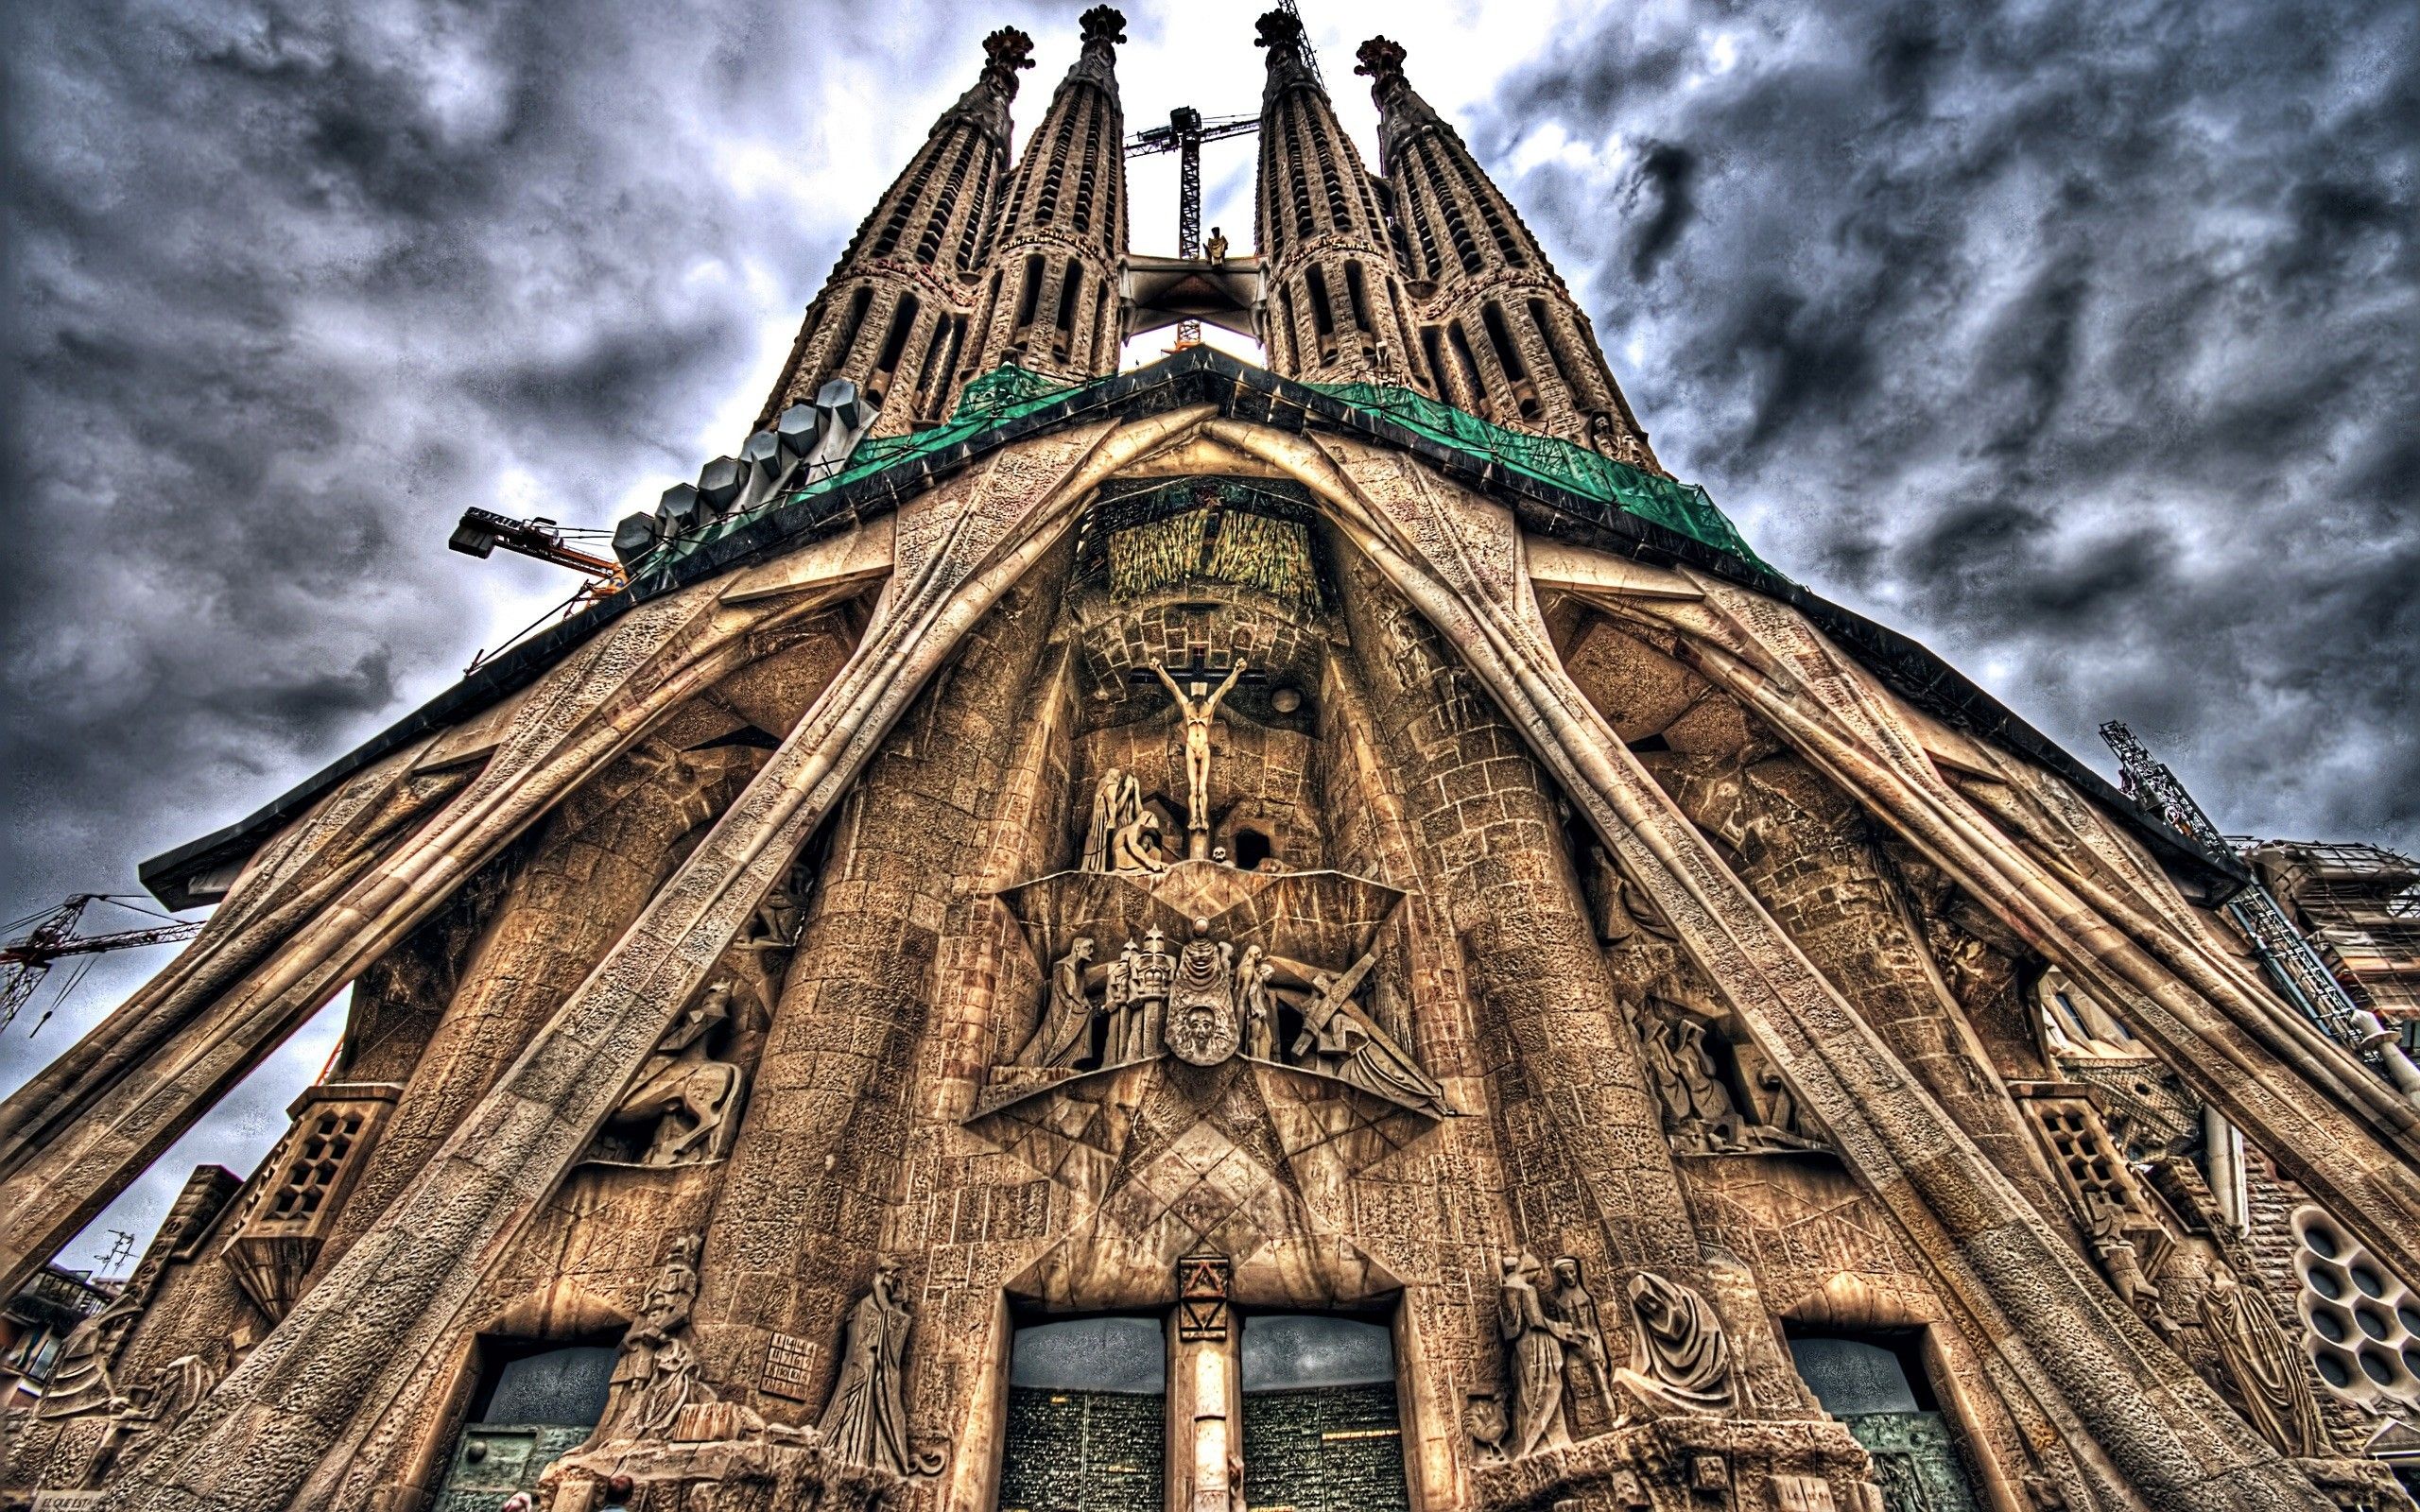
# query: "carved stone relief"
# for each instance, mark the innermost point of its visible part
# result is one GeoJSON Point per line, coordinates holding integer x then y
{"type": "Point", "coordinates": [680, 1107]}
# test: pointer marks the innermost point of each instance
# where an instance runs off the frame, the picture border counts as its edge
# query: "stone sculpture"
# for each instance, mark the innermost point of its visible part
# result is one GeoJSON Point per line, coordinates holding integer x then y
{"type": "Point", "coordinates": [1118, 802]}
{"type": "Point", "coordinates": [1135, 847]}
{"type": "Point", "coordinates": [781, 915]}
{"type": "Point", "coordinates": [1699, 1112]}
{"type": "Point", "coordinates": [79, 1382]}
{"type": "Point", "coordinates": [1253, 1006]}
{"type": "Point", "coordinates": [865, 1423]}
{"type": "Point", "coordinates": [1570, 1305]}
{"type": "Point", "coordinates": [1339, 1038]}
{"type": "Point", "coordinates": [1198, 711]}
{"type": "Point", "coordinates": [1680, 1361]}
{"type": "Point", "coordinates": [1201, 1021]}
{"type": "Point", "coordinates": [1533, 1344]}
{"type": "Point", "coordinates": [682, 1094]}
{"type": "Point", "coordinates": [2272, 1381]}
{"type": "Point", "coordinates": [1151, 974]}
{"type": "Point", "coordinates": [1065, 1033]}
{"type": "Point", "coordinates": [657, 1374]}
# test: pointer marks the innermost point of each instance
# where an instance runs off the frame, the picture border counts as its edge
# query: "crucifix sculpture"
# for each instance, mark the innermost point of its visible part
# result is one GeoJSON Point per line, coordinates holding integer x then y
{"type": "Point", "coordinates": [1197, 713]}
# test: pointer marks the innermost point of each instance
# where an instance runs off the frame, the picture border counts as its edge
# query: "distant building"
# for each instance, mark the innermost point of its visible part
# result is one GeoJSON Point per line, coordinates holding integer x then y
{"type": "Point", "coordinates": [2359, 907]}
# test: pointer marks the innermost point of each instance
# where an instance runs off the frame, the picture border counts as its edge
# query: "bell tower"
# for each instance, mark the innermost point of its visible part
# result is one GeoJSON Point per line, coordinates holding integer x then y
{"type": "Point", "coordinates": [1051, 302]}
{"type": "Point", "coordinates": [1336, 310]}
{"type": "Point", "coordinates": [1508, 341]}
{"type": "Point", "coordinates": [893, 317]}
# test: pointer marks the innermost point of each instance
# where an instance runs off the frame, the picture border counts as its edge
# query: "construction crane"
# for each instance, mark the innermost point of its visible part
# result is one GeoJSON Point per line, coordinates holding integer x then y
{"type": "Point", "coordinates": [480, 532]}
{"type": "Point", "coordinates": [49, 936]}
{"type": "Point", "coordinates": [1184, 136]}
{"type": "Point", "coordinates": [2291, 964]}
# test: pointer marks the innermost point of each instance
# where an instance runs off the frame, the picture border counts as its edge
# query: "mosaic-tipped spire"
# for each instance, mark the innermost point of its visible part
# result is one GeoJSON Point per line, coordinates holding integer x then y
{"type": "Point", "coordinates": [1051, 302]}
{"type": "Point", "coordinates": [893, 312]}
{"type": "Point", "coordinates": [1509, 342]}
{"type": "Point", "coordinates": [1336, 307]}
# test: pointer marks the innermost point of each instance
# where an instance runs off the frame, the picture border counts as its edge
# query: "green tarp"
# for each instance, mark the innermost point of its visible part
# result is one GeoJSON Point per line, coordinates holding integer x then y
{"type": "Point", "coordinates": [1008, 391]}
{"type": "Point", "coordinates": [1681, 506]}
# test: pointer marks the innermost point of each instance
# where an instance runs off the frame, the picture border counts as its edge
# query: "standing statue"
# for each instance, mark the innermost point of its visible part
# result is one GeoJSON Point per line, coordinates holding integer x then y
{"type": "Point", "coordinates": [682, 1092]}
{"type": "Point", "coordinates": [657, 1373]}
{"type": "Point", "coordinates": [1117, 802]}
{"type": "Point", "coordinates": [865, 1423]}
{"type": "Point", "coordinates": [1681, 1361]}
{"type": "Point", "coordinates": [1118, 1010]}
{"type": "Point", "coordinates": [1197, 715]}
{"type": "Point", "coordinates": [1065, 1033]}
{"type": "Point", "coordinates": [1570, 1305]}
{"type": "Point", "coordinates": [1201, 1025]}
{"type": "Point", "coordinates": [1533, 1359]}
{"type": "Point", "coordinates": [1253, 1006]}
{"type": "Point", "coordinates": [2271, 1378]}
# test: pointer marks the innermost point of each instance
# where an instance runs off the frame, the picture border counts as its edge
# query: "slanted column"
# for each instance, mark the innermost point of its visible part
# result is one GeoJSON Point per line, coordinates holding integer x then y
{"type": "Point", "coordinates": [1491, 851]}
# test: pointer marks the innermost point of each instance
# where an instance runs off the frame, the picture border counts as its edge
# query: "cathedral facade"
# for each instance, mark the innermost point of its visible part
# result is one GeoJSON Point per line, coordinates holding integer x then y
{"type": "Point", "coordinates": [1317, 936]}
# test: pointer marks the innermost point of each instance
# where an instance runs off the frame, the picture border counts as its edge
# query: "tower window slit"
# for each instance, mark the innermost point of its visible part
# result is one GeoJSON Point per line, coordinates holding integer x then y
{"type": "Point", "coordinates": [930, 369]}
{"type": "Point", "coordinates": [976, 214]}
{"type": "Point", "coordinates": [1551, 338]}
{"type": "Point", "coordinates": [1508, 356]}
{"type": "Point", "coordinates": [1071, 289]}
{"type": "Point", "coordinates": [1356, 296]}
{"type": "Point", "coordinates": [1466, 361]}
{"type": "Point", "coordinates": [1027, 298]}
{"type": "Point", "coordinates": [1436, 360]}
{"type": "Point", "coordinates": [846, 340]}
{"type": "Point", "coordinates": [1322, 317]}
{"type": "Point", "coordinates": [895, 345]}
{"type": "Point", "coordinates": [1285, 330]}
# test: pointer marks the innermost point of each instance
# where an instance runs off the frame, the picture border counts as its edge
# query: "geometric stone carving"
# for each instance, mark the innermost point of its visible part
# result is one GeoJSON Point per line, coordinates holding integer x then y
{"type": "Point", "coordinates": [285, 1218]}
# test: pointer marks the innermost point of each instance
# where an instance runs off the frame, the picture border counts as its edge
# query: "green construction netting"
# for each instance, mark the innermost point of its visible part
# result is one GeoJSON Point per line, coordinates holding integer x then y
{"type": "Point", "coordinates": [999, 395]}
{"type": "Point", "coordinates": [1675, 506]}
{"type": "Point", "coordinates": [1007, 392]}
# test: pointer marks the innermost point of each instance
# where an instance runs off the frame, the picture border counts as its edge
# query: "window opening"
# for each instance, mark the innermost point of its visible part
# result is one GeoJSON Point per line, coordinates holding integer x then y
{"type": "Point", "coordinates": [1321, 1430]}
{"type": "Point", "coordinates": [1508, 356]}
{"type": "Point", "coordinates": [1087, 1416]}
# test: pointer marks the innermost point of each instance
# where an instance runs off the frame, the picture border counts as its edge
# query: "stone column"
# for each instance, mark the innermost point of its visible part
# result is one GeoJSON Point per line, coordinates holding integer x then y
{"type": "Point", "coordinates": [1803, 853]}
{"type": "Point", "coordinates": [1582, 1131]}
{"type": "Point", "coordinates": [595, 866]}
{"type": "Point", "coordinates": [824, 1143]}
{"type": "Point", "coordinates": [1205, 1420]}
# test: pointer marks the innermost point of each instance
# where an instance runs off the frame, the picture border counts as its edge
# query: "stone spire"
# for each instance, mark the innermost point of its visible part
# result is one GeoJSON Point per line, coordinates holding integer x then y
{"type": "Point", "coordinates": [1051, 300]}
{"type": "Point", "coordinates": [893, 317]}
{"type": "Point", "coordinates": [1508, 341]}
{"type": "Point", "coordinates": [1336, 309]}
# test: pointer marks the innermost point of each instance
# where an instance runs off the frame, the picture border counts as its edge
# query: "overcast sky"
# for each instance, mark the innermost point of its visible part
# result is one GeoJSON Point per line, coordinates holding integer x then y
{"type": "Point", "coordinates": [2074, 337]}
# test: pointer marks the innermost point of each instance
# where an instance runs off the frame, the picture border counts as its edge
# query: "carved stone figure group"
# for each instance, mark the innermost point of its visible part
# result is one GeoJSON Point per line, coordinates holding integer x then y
{"type": "Point", "coordinates": [683, 1101]}
{"type": "Point", "coordinates": [1699, 1112]}
{"type": "Point", "coordinates": [1680, 1361]}
{"type": "Point", "coordinates": [1122, 834]}
{"type": "Point", "coordinates": [1202, 1003]}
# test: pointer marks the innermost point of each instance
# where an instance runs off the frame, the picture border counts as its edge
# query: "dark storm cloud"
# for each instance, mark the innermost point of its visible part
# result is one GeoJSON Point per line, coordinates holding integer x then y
{"type": "Point", "coordinates": [291, 284]}
{"type": "Point", "coordinates": [2081, 340]}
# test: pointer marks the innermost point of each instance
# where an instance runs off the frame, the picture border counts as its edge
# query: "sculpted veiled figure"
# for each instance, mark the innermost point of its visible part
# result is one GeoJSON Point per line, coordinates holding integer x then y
{"type": "Point", "coordinates": [1065, 1030]}
{"type": "Point", "coordinates": [2270, 1377]}
{"type": "Point", "coordinates": [1117, 802]}
{"type": "Point", "coordinates": [866, 1421]}
{"type": "Point", "coordinates": [1681, 1361]}
{"type": "Point", "coordinates": [1202, 1028]}
{"type": "Point", "coordinates": [1253, 1006]}
{"type": "Point", "coordinates": [1533, 1345]}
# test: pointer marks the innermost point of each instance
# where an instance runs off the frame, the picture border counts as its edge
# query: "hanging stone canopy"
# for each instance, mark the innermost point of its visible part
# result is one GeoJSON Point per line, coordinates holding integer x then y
{"type": "Point", "coordinates": [1148, 938]}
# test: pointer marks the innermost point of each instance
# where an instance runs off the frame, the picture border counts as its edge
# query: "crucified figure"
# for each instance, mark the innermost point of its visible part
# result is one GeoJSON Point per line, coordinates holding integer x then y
{"type": "Point", "coordinates": [1197, 750]}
